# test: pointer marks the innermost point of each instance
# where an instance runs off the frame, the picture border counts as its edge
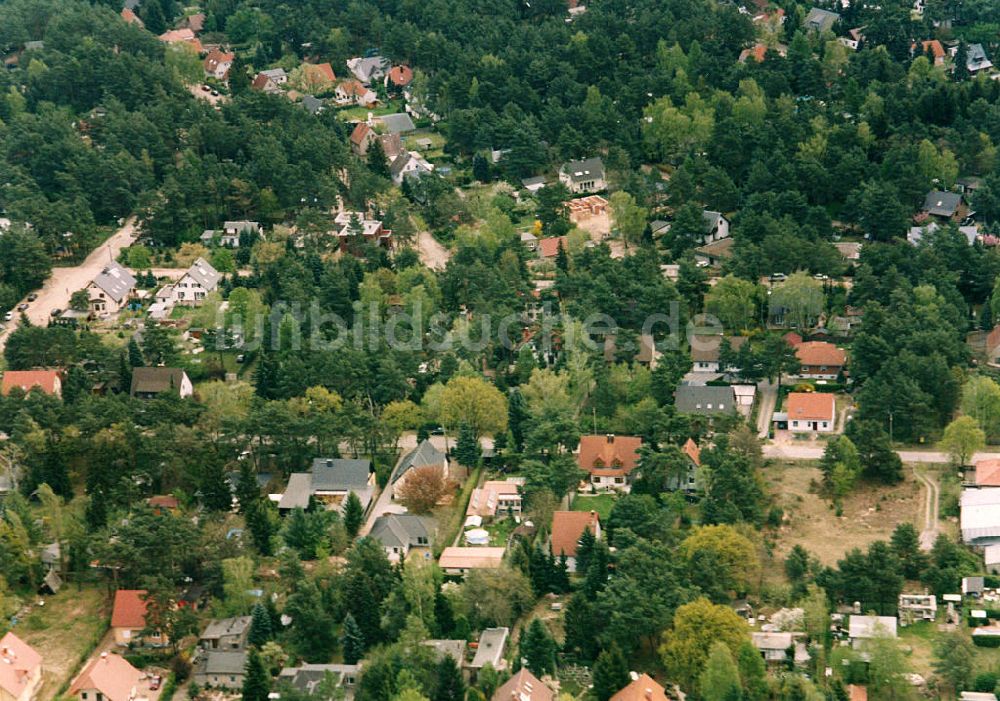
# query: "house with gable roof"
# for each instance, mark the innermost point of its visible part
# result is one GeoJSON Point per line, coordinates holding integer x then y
{"type": "Point", "coordinates": [567, 529]}
{"type": "Point", "coordinates": [401, 534]}
{"type": "Point", "coordinates": [424, 455]}
{"type": "Point", "coordinates": [46, 381]}
{"type": "Point", "coordinates": [369, 68]}
{"type": "Point", "coordinates": [20, 669]}
{"type": "Point", "coordinates": [111, 289]}
{"type": "Point", "coordinates": [583, 176]}
{"type": "Point", "coordinates": [523, 686]}
{"type": "Point", "coordinates": [200, 279]}
{"type": "Point", "coordinates": [329, 483]}
{"type": "Point", "coordinates": [108, 677]}
{"type": "Point", "coordinates": [811, 412]}
{"type": "Point", "coordinates": [217, 64]}
{"type": "Point", "coordinates": [609, 460]}
{"type": "Point", "coordinates": [128, 620]}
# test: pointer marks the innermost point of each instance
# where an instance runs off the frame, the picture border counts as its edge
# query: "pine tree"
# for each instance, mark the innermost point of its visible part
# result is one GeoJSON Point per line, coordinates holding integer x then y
{"type": "Point", "coordinates": [537, 649]}
{"type": "Point", "coordinates": [353, 641]}
{"type": "Point", "coordinates": [354, 514]}
{"type": "Point", "coordinates": [266, 376]}
{"type": "Point", "coordinates": [610, 673]}
{"type": "Point", "coordinates": [152, 16]}
{"type": "Point", "coordinates": [585, 550]}
{"type": "Point", "coordinates": [377, 161]}
{"type": "Point", "coordinates": [560, 575]}
{"type": "Point", "coordinates": [480, 168]}
{"type": "Point", "coordinates": [247, 489]}
{"type": "Point", "coordinates": [260, 525]}
{"type": "Point", "coordinates": [135, 354]}
{"type": "Point", "coordinates": [260, 626]}
{"type": "Point", "coordinates": [597, 571]}
{"type": "Point", "coordinates": [444, 615]}
{"type": "Point", "coordinates": [239, 80]}
{"type": "Point", "coordinates": [449, 685]}
{"type": "Point", "coordinates": [517, 417]}
{"type": "Point", "coordinates": [467, 447]}
{"type": "Point", "coordinates": [720, 678]}
{"type": "Point", "coordinates": [562, 260]}
{"type": "Point", "coordinates": [216, 494]}
{"type": "Point", "coordinates": [256, 682]}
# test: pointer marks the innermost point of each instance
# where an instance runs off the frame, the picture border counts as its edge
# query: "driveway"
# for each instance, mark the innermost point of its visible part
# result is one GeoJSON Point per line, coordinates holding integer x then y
{"type": "Point", "coordinates": [931, 509]}
{"type": "Point", "coordinates": [431, 252]}
{"type": "Point", "coordinates": [768, 398]}
{"type": "Point", "coordinates": [63, 282]}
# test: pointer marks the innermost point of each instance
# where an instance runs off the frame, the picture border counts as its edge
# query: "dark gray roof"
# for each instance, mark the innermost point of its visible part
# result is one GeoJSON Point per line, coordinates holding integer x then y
{"type": "Point", "coordinates": [312, 104]}
{"type": "Point", "coordinates": [204, 274]}
{"type": "Point", "coordinates": [398, 123]}
{"type": "Point", "coordinates": [116, 281]}
{"type": "Point", "coordinates": [156, 380]}
{"type": "Point", "coordinates": [588, 169]}
{"type": "Point", "coordinates": [942, 204]}
{"type": "Point", "coordinates": [219, 627]}
{"type": "Point", "coordinates": [976, 58]}
{"type": "Point", "coordinates": [221, 662]}
{"type": "Point", "coordinates": [423, 455]}
{"type": "Point", "coordinates": [704, 400]}
{"type": "Point", "coordinates": [820, 20]}
{"type": "Point", "coordinates": [339, 473]}
{"type": "Point", "coordinates": [400, 530]}
{"type": "Point", "coordinates": [305, 677]}
{"type": "Point", "coordinates": [709, 219]}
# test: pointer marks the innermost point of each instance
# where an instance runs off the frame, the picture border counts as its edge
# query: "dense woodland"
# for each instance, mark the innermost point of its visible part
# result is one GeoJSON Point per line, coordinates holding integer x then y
{"type": "Point", "coordinates": [821, 145]}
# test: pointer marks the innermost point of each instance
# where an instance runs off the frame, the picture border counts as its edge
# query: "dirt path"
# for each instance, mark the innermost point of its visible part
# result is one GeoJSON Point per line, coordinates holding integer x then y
{"type": "Point", "coordinates": [432, 254]}
{"type": "Point", "coordinates": [63, 282]}
{"type": "Point", "coordinates": [768, 398]}
{"type": "Point", "coordinates": [932, 500]}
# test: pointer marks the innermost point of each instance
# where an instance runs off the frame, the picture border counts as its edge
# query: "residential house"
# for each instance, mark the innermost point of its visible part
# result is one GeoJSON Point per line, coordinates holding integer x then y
{"type": "Point", "coordinates": [689, 480]}
{"type": "Point", "coordinates": [264, 83]}
{"type": "Point", "coordinates": [455, 649]}
{"type": "Point", "coordinates": [862, 628]}
{"type": "Point", "coordinates": [108, 677]}
{"type": "Point", "coordinates": [357, 224]}
{"type": "Point", "coordinates": [758, 52]}
{"type": "Point", "coordinates": [811, 412]}
{"type": "Point", "coordinates": [642, 688]}
{"type": "Point", "coordinates": [716, 227]}
{"type": "Point", "coordinates": [128, 620]}
{"type": "Point", "coordinates": [523, 686]}
{"type": "Point", "coordinates": [973, 587]}
{"type": "Point", "coordinates": [199, 280]}
{"type": "Point", "coordinates": [856, 692]}
{"type": "Point", "coordinates": [943, 205]}
{"type": "Point", "coordinates": [368, 69]}
{"type": "Point", "coordinates": [409, 164]}
{"type": "Point", "coordinates": [307, 677]}
{"type": "Point", "coordinates": [110, 290]}
{"type": "Point", "coordinates": [45, 381]}
{"type": "Point", "coordinates": [182, 36]}
{"type": "Point", "coordinates": [549, 247]}
{"type": "Point", "coordinates": [460, 560]}
{"type": "Point", "coordinates": [934, 51]}
{"type": "Point", "coordinates": [820, 20]}
{"type": "Point", "coordinates": [217, 64]}
{"type": "Point", "coordinates": [362, 137]}
{"type": "Point", "coordinates": [424, 455]}
{"type": "Point", "coordinates": [980, 516]}
{"type": "Point", "coordinates": [534, 184]}
{"type": "Point", "coordinates": [706, 351]}
{"type": "Point", "coordinates": [398, 77]}
{"type": "Point", "coordinates": [491, 649]}
{"type": "Point", "coordinates": [232, 230]}
{"type": "Point", "coordinates": [609, 460]}
{"type": "Point", "coordinates": [131, 17]}
{"type": "Point", "coordinates": [163, 503]}
{"type": "Point", "coordinates": [313, 105]}
{"type": "Point", "coordinates": [398, 123]}
{"type": "Point", "coordinates": [20, 669]}
{"type": "Point", "coordinates": [705, 400]}
{"type": "Point", "coordinates": [583, 176]}
{"type": "Point", "coordinates": [567, 529]}
{"type": "Point", "coordinates": [329, 482]}
{"type": "Point", "coordinates": [316, 77]}
{"type": "Point", "coordinates": [401, 534]}
{"type": "Point", "coordinates": [820, 360]}
{"type": "Point", "coordinates": [352, 92]}
{"type": "Point", "coordinates": [976, 59]}
{"type": "Point", "coordinates": [774, 646]}
{"type": "Point", "coordinates": [211, 237]}
{"type": "Point", "coordinates": [220, 670]}
{"type": "Point", "coordinates": [276, 75]}
{"type": "Point", "coordinates": [714, 254]}
{"type": "Point", "coordinates": [226, 633]}
{"type": "Point", "coordinates": [194, 22]}
{"type": "Point", "coordinates": [991, 558]}
{"type": "Point", "coordinates": [496, 497]}
{"type": "Point", "coordinates": [916, 234]}
{"type": "Point", "coordinates": [149, 383]}
{"type": "Point", "coordinates": [917, 607]}
{"type": "Point", "coordinates": [530, 241]}
{"type": "Point", "coordinates": [987, 473]}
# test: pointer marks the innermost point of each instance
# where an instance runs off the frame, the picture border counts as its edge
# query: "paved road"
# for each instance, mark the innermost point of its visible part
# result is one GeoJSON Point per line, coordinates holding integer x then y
{"type": "Point", "coordinates": [768, 397]}
{"type": "Point", "coordinates": [931, 509]}
{"type": "Point", "coordinates": [63, 282]}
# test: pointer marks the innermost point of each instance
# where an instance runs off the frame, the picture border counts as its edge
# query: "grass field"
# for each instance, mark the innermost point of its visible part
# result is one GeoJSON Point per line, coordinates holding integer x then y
{"type": "Point", "coordinates": [601, 503]}
{"type": "Point", "coordinates": [65, 631]}
{"type": "Point", "coordinates": [870, 512]}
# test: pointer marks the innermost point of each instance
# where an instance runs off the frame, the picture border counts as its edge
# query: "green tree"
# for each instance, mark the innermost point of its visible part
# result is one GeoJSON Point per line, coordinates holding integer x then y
{"type": "Point", "coordinates": [353, 641]}
{"type": "Point", "coordinates": [802, 298]}
{"type": "Point", "coordinates": [134, 354]}
{"type": "Point", "coordinates": [905, 543]}
{"type": "Point", "coordinates": [628, 217]}
{"type": "Point", "coordinates": [733, 301]}
{"type": "Point", "coordinates": [467, 447]}
{"type": "Point", "coordinates": [981, 401]}
{"type": "Point", "coordinates": [962, 439]}
{"type": "Point", "coordinates": [537, 649]}
{"type": "Point", "coordinates": [256, 680]}
{"type": "Point", "coordinates": [610, 673]}
{"type": "Point", "coordinates": [260, 626]}
{"type": "Point", "coordinates": [955, 658]}
{"type": "Point", "coordinates": [720, 679]}
{"type": "Point", "coordinates": [697, 627]}
{"type": "Point", "coordinates": [753, 673]}
{"type": "Point", "coordinates": [475, 402]}
{"type": "Point", "coordinates": [449, 685]}
{"type": "Point", "coordinates": [354, 514]}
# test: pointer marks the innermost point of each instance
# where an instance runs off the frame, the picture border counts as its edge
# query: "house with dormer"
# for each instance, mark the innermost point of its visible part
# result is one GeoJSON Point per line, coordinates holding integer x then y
{"type": "Point", "coordinates": [609, 460]}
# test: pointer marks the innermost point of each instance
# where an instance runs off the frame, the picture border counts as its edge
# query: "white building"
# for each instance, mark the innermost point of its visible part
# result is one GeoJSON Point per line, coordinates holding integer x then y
{"type": "Point", "coordinates": [980, 517]}
{"type": "Point", "coordinates": [862, 628]}
{"type": "Point", "coordinates": [917, 607]}
{"type": "Point", "coordinates": [200, 279]}
{"type": "Point", "coordinates": [110, 290]}
{"type": "Point", "coordinates": [583, 176]}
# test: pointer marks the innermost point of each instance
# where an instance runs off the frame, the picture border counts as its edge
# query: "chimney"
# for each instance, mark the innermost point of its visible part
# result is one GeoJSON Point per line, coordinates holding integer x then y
{"type": "Point", "coordinates": [611, 437]}
{"type": "Point", "coordinates": [329, 462]}
{"type": "Point", "coordinates": [649, 694]}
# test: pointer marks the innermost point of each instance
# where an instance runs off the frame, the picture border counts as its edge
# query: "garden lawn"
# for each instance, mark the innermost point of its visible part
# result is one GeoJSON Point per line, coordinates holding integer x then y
{"type": "Point", "coordinates": [601, 503]}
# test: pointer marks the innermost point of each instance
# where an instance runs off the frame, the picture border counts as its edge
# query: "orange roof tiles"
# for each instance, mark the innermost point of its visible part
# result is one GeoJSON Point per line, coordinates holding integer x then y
{"type": "Point", "coordinates": [609, 455]}
{"type": "Point", "coordinates": [549, 248]}
{"type": "Point", "coordinates": [644, 688]}
{"type": "Point", "coordinates": [815, 353]}
{"type": "Point", "coordinates": [360, 133]}
{"type": "Point", "coordinates": [111, 675]}
{"type": "Point", "coordinates": [523, 686]}
{"type": "Point", "coordinates": [18, 665]}
{"type": "Point", "coordinates": [692, 450]}
{"type": "Point", "coordinates": [46, 380]}
{"type": "Point", "coordinates": [988, 473]}
{"type": "Point", "coordinates": [401, 75]}
{"type": "Point", "coordinates": [130, 609]}
{"type": "Point", "coordinates": [811, 406]}
{"type": "Point", "coordinates": [568, 528]}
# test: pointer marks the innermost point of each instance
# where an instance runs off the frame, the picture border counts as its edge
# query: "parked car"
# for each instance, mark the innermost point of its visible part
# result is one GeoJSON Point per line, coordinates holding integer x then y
{"type": "Point", "coordinates": [22, 307]}
{"type": "Point", "coordinates": [55, 312]}
{"type": "Point", "coordinates": [154, 682]}
{"type": "Point", "coordinates": [32, 297]}
{"type": "Point", "coordinates": [206, 88]}
{"type": "Point", "coordinates": [778, 277]}
{"type": "Point", "coordinates": [8, 316]}
{"type": "Point", "coordinates": [240, 358]}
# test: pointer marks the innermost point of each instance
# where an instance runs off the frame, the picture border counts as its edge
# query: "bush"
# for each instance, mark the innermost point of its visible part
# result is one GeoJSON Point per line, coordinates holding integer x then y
{"type": "Point", "coordinates": [986, 640]}
{"type": "Point", "coordinates": [180, 668]}
{"type": "Point", "coordinates": [985, 682]}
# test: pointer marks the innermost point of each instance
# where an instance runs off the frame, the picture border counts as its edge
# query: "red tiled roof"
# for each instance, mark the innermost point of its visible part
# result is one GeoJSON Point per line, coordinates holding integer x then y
{"type": "Point", "coordinates": [131, 17]}
{"type": "Point", "coordinates": [988, 473]}
{"type": "Point", "coordinates": [45, 380]}
{"type": "Point", "coordinates": [937, 51]}
{"type": "Point", "coordinates": [401, 75]}
{"type": "Point", "coordinates": [993, 339]}
{"type": "Point", "coordinates": [215, 58]}
{"type": "Point", "coordinates": [644, 688]}
{"type": "Point", "coordinates": [549, 248]}
{"type": "Point", "coordinates": [568, 528]}
{"type": "Point", "coordinates": [692, 450]}
{"type": "Point", "coordinates": [260, 82]}
{"type": "Point", "coordinates": [111, 675]}
{"type": "Point", "coordinates": [523, 686]}
{"type": "Point", "coordinates": [130, 609]}
{"type": "Point", "coordinates": [857, 693]}
{"type": "Point", "coordinates": [793, 339]}
{"type": "Point", "coordinates": [360, 133]}
{"type": "Point", "coordinates": [609, 455]}
{"type": "Point", "coordinates": [353, 87]}
{"type": "Point", "coordinates": [814, 353]}
{"type": "Point", "coordinates": [163, 501]}
{"type": "Point", "coordinates": [811, 406]}
{"type": "Point", "coordinates": [323, 70]}
{"type": "Point", "coordinates": [18, 662]}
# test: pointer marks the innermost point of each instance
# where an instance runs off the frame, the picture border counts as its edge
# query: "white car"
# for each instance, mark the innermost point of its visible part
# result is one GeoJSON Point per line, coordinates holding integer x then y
{"type": "Point", "coordinates": [8, 316]}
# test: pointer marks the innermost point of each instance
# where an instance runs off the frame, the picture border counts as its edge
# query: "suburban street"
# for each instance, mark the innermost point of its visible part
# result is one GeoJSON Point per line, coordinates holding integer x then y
{"type": "Point", "coordinates": [63, 282]}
